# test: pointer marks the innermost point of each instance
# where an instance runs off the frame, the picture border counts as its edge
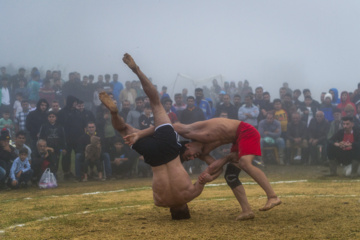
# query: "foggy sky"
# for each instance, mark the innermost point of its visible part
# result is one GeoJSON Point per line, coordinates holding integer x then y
{"type": "Point", "coordinates": [310, 44]}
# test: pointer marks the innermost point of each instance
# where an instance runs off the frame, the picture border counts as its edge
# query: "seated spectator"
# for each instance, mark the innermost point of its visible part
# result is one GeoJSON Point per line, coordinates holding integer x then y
{"type": "Point", "coordinates": [41, 159]}
{"type": "Point", "coordinates": [21, 172]}
{"type": "Point", "coordinates": [7, 155]}
{"type": "Point", "coordinates": [281, 115]}
{"type": "Point", "coordinates": [265, 106]}
{"type": "Point", "coordinates": [295, 98]}
{"type": "Point", "coordinates": [297, 138]}
{"type": "Point", "coordinates": [287, 104]}
{"type": "Point", "coordinates": [237, 102]}
{"type": "Point", "coordinates": [270, 132]}
{"type": "Point", "coordinates": [47, 92]}
{"type": "Point", "coordinates": [350, 112]}
{"type": "Point", "coordinates": [318, 130]}
{"type": "Point", "coordinates": [335, 96]}
{"type": "Point", "coordinates": [327, 108]}
{"type": "Point", "coordinates": [146, 119]}
{"type": "Point", "coordinates": [80, 163]}
{"type": "Point", "coordinates": [121, 159]}
{"type": "Point", "coordinates": [93, 158]}
{"type": "Point", "coordinates": [335, 125]}
{"type": "Point", "coordinates": [306, 92]}
{"type": "Point", "coordinates": [20, 140]}
{"type": "Point", "coordinates": [54, 135]}
{"type": "Point", "coordinates": [228, 107]}
{"type": "Point", "coordinates": [344, 147]}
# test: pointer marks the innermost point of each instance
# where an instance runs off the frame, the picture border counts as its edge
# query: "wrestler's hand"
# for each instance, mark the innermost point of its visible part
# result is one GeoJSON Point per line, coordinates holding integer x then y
{"type": "Point", "coordinates": [131, 138]}
{"type": "Point", "coordinates": [128, 60]}
{"type": "Point", "coordinates": [204, 178]}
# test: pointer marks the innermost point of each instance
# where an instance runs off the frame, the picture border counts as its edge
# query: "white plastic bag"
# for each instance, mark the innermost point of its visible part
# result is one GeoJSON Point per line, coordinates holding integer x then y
{"type": "Point", "coordinates": [48, 180]}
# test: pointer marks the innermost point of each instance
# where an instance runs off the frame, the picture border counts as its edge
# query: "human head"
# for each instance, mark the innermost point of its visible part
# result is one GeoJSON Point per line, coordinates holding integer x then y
{"type": "Point", "coordinates": [337, 114]}
{"type": "Point", "coordinates": [126, 104]}
{"type": "Point", "coordinates": [115, 77]}
{"type": "Point", "coordinates": [55, 106]}
{"type": "Point", "coordinates": [259, 92]}
{"type": "Point", "coordinates": [282, 92]}
{"type": "Point", "coordinates": [19, 96]}
{"type": "Point", "coordinates": [248, 100]}
{"type": "Point", "coordinates": [199, 93]}
{"type": "Point", "coordinates": [277, 104]}
{"type": "Point", "coordinates": [226, 99]}
{"type": "Point", "coordinates": [308, 100]}
{"type": "Point", "coordinates": [327, 98]}
{"type": "Point", "coordinates": [178, 98]}
{"type": "Point", "coordinates": [223, 114]}
{"type": "Point", "coordinates": [20, 138]}
{"type": "Point", "coordinates": [23, 153]}
{"type": "Point", "coordinates": [25, 105]}
{"type": "Point", "coordinates": [167, 103]}
{"type": "Point", "coordinates": [266, 96]}
{"type": "Point", "coordinates": [91, 128]}
{"type": "Point", "coordinates": [348, 123]}
{"type": "Point", "coordinates": [6, 114]}
{"type": "Point", "coordinates": [47, 83]}
{"type": "Point", "coordinates": [349, 110]}
{"type": "Point", "coordinates": [180, 212]}
{"type": "Point", "coordinates": [319, 116]}
{"type": "Point", "coordinates": [190, 100]}
{"type": "Point", "coordinates": [118, 143]}
{"type": "Point", "coordinates": [295, 117]}
{"type": "Point", "coordinates": [107, 78]}
{"type": "Point", "coordinates": [100, 79]}
{"type": "Point", "coordinates": [42, 105]}
{"type": "Point", "coordinates": [80, 105]}
{"type": "Point", "coordinates": [306, 92]}
{"type": "Point", "coordinates": [269, 117]}
{"type": "Point", "coordinates": [287, 97]}
{"type": "Point", "coordinates": [237, 100]}
{"type": "Point", "coordinates": [190, 150]}
{"type": "Point", "coordinates": [147, 109]}
{"type": "Point", "coordinates": [296, 93]}
{"type": "Point", "coordinates": [139, 102]}
{"type": "Point", "coordinates": [344, 97]}
{"type": "Point", "coordinates": [41, 146]}
{"type": "Point", "coordinates": [51, 116]}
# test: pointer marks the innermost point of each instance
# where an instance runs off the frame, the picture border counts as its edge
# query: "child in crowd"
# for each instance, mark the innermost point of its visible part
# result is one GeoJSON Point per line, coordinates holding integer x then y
{"type": "Point", "coordinates": [54, 135]}
{"type": "Point", "coordinates": [146, 119]}
{"type": "Point", "coordinates": [6, 122]}
{"type": "Point", "coordinates": [17, 104]}
{"type": "Point", "coordinates": [21, 172]}
{"type": "Point", "coordinates": [93, 157]}
{"type": "Point", "coordinates": [281, 115]}
{"type": "Point", "coordinates": [32, 105]}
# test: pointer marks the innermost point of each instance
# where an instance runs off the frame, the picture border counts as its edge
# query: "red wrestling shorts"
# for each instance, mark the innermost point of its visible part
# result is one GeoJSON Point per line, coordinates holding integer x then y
{"type": "Point", "coordinates": [247, 141]}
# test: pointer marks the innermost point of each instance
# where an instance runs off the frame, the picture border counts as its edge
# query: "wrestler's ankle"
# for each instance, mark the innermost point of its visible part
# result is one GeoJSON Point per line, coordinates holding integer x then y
{"type": "Point", "coordinates": [272, 197]}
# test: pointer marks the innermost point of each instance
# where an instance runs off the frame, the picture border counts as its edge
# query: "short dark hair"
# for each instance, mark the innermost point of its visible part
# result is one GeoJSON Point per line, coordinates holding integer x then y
{"type": "Point", "coordinates": [309, 97]}
{"type": "Point", "coordinates": [276, 100]}
{"type": "Point", "coordinates": [23, 150]}
{"type": "Point", "coordinates": [181, 212]}
{"type": "Point", "coordinates": [198, 89]}
{"type": "Point", "coordinates": [190, 97]}
{"type": "Point", "coordinates": [306, 90]}
{"type": "Point", "coordinates": [297, 90]}
{"type": "Point", "coordinates": [139, 99]}
{"type": "Point", "coordinates": [165, 100]}
{"type": "Point", "coordinates": [182, 150]}
{"type": "Point", "coordinates": [351, 119]}
{"type": "Point", "coordinates": [20, 133]}
{"type": "Point", "coordinates": [147, 106]}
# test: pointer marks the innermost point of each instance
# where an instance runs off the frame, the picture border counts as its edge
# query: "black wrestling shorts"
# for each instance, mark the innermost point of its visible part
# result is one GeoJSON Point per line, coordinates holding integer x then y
{"type": "Point", "coordinates": [161, 147]}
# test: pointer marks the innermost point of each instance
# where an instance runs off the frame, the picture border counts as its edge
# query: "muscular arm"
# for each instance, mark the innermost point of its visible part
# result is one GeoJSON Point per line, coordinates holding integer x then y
{"type": "Point", "coordinates": [132, 138]}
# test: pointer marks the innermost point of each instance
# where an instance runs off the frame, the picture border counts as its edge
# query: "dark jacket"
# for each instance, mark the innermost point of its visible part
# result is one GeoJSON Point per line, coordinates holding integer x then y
{"type": "Point", "coordinates": [191, 116]}
{"type": "Point", "coordinates": [339, 136]}
{"type": "Point", "coordinates": [318, 130]}
{"type": "Point", "coordinates": [296, 131]}
{"type": "Point", "coordinates": [54, 136]}
{"type": "Point", "coordinates": [35, 119]}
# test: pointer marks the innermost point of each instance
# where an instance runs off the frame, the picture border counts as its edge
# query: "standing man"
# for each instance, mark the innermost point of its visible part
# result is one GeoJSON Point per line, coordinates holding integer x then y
{"type": "Point", "coordinates": [249, 112]}
{"type": "Point", "coordinates": [227, 106]}
{"type": "Point", "coordinates": [202, 103]}
{"type": "Point", "coordinates": [133, 115]}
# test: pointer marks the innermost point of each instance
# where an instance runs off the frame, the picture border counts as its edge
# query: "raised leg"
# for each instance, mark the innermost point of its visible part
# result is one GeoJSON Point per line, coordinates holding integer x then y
{"type": "Point", "coordinates": [160, 116]}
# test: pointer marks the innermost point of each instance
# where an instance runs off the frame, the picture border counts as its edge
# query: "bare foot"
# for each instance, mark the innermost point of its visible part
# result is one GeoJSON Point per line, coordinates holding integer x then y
{"type": "Point", "coordinates": [272, 202]}
{"type": "Point", "coordinates": [108, 102]}
{"type": "Point", "coordinates": [245, 216]}
{"type": "Point", "coordinates": [128, 60]}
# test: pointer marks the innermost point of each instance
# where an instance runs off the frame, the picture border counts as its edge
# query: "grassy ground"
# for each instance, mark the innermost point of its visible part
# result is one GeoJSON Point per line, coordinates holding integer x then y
{"type": "Point", "coordinates": [314, 207]}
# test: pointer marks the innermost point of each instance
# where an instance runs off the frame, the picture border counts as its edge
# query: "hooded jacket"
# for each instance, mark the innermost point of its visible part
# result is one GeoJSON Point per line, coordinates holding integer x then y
{"type": "Point", "coordinates": [342, 104]}
{"type": "Point", "coordinates": [36, 118]}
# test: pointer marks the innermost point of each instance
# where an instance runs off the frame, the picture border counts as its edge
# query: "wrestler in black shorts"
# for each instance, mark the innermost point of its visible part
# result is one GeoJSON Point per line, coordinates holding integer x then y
{"type": "Point", "coordinates": [161, 147]}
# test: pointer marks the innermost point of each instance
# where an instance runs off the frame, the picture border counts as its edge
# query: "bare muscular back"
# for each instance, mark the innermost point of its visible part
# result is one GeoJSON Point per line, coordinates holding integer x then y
{"type": "Point", "coordinates": [172, 185]}
{"type": "Point", "coordinates": [217, 131]}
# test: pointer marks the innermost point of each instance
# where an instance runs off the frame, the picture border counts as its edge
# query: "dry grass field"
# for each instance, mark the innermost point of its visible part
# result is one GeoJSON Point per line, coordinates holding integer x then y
{"type": "Point", "coordinates": [314, 207]}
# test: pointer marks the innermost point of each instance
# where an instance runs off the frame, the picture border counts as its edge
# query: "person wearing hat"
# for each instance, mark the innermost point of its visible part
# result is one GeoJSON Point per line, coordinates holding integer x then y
{"type": "Point", "coordinates": [327, 108]}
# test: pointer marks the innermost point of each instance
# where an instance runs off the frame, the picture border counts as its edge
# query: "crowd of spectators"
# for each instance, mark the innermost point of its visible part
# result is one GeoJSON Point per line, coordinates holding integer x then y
{"type": "Point", "coordinates": [47, 121]}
